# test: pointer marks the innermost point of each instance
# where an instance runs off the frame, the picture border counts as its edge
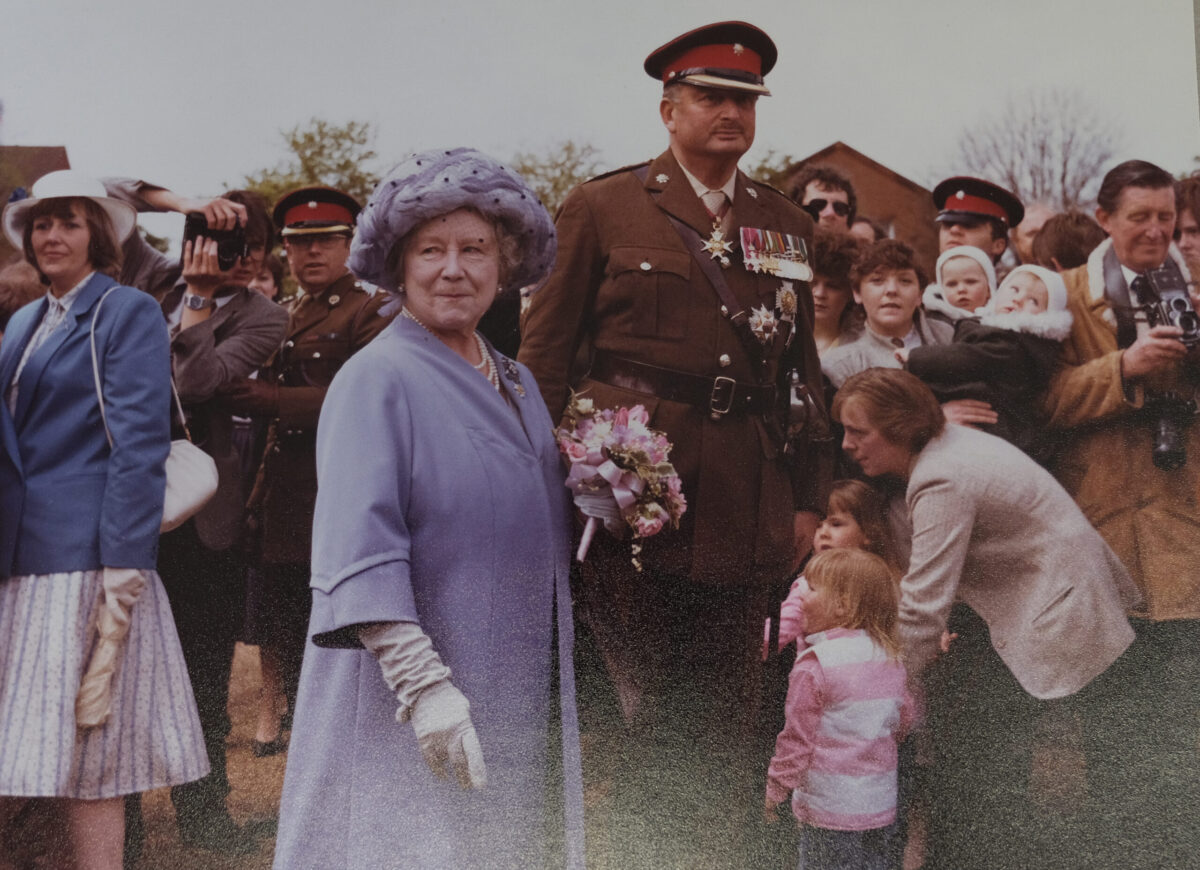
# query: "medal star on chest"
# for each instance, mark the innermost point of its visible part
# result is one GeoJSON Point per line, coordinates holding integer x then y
{"type": "Point", "coordinates": [763, 324]}
{"type": "Point", "coordinates": [718, 247]}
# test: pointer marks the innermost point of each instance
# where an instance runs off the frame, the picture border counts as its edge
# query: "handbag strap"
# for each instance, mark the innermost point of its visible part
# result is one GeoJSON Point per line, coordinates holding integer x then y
{"type": "Point", "coordinates": [96, 376]}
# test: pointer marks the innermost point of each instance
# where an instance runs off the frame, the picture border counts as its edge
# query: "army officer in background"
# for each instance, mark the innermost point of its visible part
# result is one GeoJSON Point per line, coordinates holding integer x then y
{"type": "Point", "coordinates": [333, 318]}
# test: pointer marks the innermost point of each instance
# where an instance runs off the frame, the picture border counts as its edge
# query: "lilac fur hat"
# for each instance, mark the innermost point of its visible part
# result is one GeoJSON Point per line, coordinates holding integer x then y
{"type": "Point", "coordinates": [434, 183]}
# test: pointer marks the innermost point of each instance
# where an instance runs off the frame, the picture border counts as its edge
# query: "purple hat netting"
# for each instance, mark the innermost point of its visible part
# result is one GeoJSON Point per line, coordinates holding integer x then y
{"type": "Point", "coordinates": [434, 183]}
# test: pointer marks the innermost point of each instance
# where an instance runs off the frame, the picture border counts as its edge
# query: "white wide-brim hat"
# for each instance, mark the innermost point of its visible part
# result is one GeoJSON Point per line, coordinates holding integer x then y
{"type": "Point", "coordinates": [71, 184]}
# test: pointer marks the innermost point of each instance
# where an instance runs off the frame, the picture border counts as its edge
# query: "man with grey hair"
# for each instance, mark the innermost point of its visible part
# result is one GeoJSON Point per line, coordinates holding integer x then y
{"type": "Point", "coordinates": [682, 284]}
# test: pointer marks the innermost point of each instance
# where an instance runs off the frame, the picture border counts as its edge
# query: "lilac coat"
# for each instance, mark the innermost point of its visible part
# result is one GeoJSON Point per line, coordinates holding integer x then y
{"type": "Point", "coordinates": [437, 502]}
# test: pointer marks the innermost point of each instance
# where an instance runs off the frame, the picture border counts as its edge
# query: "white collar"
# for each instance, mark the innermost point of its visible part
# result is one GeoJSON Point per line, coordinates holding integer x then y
{"type": "Point", "coordinates": [701, 188]}
{"type": "Point", "coordinates": [65, 301]}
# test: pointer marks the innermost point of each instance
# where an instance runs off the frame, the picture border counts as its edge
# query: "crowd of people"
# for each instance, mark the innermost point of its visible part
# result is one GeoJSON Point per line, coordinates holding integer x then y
{"type": "Point", "coordinates": [939, 515]}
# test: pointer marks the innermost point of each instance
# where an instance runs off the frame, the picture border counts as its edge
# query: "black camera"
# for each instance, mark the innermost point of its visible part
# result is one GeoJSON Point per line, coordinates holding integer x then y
{"type": "Point", "coordinates": [231, 244]}
{"type": "Point", "coordinates": [1172, 416]}
{"type": "Point", "coordinates": [1171, 305]}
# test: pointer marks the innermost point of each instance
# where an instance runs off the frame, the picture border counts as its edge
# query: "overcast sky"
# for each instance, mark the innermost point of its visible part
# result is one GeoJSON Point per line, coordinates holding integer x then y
{"type": "Point", "coordinates": [194, 97]}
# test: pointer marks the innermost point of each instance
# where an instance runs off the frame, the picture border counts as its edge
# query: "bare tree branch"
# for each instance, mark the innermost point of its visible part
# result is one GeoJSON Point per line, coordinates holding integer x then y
{"type": "Point", "coordinates": [1046, 146]}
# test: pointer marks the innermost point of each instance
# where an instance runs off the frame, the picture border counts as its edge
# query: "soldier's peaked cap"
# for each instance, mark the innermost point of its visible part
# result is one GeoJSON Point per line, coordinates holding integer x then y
{"type": "Point", "coordinates": [967, 197]}
{"type": "Point", "coordinates": [729, 54]}
{"type": "Point", "coordinates": [312, 210]}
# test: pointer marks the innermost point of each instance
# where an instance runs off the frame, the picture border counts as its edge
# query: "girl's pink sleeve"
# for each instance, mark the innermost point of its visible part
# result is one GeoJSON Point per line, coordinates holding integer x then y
{"type": "Point", "coordinates": [802, 719]}
{"type": "Point", "coordinates": [791, 617]}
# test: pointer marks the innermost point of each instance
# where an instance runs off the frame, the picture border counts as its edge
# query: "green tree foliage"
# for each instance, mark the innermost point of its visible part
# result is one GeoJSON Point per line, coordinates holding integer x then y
{"type": "Point", "coordinates": [159, 243]}
{"type": "Point", "coordinates": [553, 173]}
{"type": "Point", "coordinates": [773, 168]}
{"type": "Point", "coordinates": [321, 152]}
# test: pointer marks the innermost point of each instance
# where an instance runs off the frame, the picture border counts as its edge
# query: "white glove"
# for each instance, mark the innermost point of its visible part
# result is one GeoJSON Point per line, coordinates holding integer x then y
{"type": "Point", "coordinates": [603, 507]}
{"type": "Point", "coordinates": [439, 712]}
{"type": "Point", "coordinates": [441, 718]}
{"type": "Point", "coordinates": [121, 589]}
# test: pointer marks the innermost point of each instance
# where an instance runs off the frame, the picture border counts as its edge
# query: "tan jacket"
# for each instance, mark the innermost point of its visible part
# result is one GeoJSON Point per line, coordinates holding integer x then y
{"type": "Point", "coordinates": [1150, 517]}
{"type": "Point", "coordinates": [625, 283]}
{"type": "Point", "coordinates": [992, 529]}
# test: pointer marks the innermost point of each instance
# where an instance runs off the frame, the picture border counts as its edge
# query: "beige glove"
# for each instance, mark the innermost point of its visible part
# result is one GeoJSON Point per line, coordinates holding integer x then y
{"type": "Point", "coordinates": [440, 714]}
{"type": "Point", "coordinates": [122, 587]}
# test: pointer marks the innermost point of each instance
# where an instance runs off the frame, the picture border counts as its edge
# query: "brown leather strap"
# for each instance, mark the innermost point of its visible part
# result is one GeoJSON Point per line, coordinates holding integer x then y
{"type": "Point", "coordinates": [718, 396]}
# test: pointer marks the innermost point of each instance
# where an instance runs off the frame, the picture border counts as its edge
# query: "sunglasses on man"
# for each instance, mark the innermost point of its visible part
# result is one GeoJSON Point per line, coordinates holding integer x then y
{"type": "Point", "coordinates": [815, 206]}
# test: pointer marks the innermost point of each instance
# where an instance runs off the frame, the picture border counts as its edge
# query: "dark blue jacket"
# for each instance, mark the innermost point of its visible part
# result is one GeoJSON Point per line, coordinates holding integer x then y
{"type": "Point", "coordinates": [68, 502]}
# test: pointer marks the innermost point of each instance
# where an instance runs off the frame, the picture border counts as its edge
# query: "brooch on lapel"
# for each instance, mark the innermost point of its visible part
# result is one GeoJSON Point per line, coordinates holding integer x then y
{"type": "Point", "coordinates": [513, 374]}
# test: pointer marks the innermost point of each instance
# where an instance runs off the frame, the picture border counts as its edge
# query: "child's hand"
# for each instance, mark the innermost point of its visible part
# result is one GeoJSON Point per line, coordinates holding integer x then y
{"type": "Point", "coordinates": [945, 642]}
{"type": "Point", "coordinates": [901, 355]}
{"type": "Point", "coordinates": [770, 811]}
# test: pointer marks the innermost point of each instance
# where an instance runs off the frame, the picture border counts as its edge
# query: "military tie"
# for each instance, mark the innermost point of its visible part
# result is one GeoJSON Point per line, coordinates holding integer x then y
{"type": "Point", "coordinates": [717, 204]}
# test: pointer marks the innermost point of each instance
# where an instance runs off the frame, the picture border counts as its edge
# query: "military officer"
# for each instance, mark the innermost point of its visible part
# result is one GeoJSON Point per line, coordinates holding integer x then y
{"type": "Point", "coordinates": [975, 212]}
{"type": "Point", "coordinates": [332, 318]}
{"type": "Point", "coordinates": [685, 284]}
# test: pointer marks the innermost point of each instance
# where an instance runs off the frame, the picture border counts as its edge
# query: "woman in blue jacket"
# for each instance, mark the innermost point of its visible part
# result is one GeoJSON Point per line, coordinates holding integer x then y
{"type": "Point", "coordinates": [78, 514]}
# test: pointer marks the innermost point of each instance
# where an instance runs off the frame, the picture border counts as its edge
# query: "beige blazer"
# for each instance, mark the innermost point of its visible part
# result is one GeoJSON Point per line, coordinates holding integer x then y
{"type": "Point", "coordinates": [993, 529]}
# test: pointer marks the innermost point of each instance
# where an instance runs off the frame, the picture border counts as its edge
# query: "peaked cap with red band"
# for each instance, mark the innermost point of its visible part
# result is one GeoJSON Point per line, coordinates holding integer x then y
{"type": "Point", "coordinates": [732, 55]}
{"type": "Point", "coordinates": [312, 210]}
{"type": "Point", "coordinates": [965, 197]}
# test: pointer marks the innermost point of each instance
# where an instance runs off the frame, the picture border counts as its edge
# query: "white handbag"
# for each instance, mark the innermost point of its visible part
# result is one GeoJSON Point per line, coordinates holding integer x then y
{"type": "Point", "coordinates": [191, 473]}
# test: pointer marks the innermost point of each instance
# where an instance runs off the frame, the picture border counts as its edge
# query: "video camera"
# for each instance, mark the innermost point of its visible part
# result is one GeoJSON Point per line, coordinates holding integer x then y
{"type": "Point", "coordinates": [231, 244]}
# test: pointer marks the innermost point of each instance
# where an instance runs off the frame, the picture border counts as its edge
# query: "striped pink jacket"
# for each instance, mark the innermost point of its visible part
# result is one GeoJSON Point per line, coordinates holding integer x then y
{"type": "Point", "coordinates": [847, 707]}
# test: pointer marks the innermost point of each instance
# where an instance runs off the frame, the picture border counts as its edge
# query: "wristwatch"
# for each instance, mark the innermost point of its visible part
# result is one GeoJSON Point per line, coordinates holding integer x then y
{"type": "Point", "coordinates": [197, 303]}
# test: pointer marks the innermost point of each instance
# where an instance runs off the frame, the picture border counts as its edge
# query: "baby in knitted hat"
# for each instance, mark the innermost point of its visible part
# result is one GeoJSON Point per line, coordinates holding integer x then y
{"type": "Point", "coordinates": [966, 281]}
{"type": "Point", "coordinates": [1005, 356]}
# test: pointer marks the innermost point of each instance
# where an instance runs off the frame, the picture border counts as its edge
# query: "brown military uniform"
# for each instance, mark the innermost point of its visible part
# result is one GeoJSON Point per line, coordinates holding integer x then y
{"type": "Point", "coordinates": [626, 284]}
{"type": "Point", "coordinates": [324, 332]}
{"type": "Point", "coordinates": [680, 640]}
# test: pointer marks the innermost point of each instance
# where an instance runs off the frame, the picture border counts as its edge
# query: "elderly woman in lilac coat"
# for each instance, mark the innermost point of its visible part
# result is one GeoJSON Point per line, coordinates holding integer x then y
{"type": "Point", "coordinates": [433, 710]}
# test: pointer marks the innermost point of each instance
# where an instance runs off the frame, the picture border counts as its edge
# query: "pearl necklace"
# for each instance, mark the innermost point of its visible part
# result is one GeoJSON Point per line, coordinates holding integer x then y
{"type": "Point", "coordinates": [486, 365]}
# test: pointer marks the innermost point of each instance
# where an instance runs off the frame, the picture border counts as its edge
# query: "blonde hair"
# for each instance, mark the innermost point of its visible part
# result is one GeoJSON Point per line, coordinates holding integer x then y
{"type": "Point", "coordinates": [869, 509]}
{"type": "Point", "coordinates": [862, 585]}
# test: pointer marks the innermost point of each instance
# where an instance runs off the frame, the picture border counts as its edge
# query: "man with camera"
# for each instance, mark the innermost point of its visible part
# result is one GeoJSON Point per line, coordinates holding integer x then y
{"type": "Point", "coordinates": [220, 331]}
{"type": "Point", "coordinates": [1123, 405]}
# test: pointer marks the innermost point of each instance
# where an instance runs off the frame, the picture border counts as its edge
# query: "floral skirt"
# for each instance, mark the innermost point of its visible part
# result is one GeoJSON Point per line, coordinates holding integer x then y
{"type": "Point", "coordinates": [152, 738]}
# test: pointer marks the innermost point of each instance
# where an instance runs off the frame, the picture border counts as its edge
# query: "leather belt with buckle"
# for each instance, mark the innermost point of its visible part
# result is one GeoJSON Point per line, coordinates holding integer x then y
{"type": "Point", "coordinates": [718, 396]}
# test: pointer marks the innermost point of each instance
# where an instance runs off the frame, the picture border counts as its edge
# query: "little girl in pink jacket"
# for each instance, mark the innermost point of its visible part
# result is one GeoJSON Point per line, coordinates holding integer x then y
{"type": "Point", "coordinates": [847, 708]}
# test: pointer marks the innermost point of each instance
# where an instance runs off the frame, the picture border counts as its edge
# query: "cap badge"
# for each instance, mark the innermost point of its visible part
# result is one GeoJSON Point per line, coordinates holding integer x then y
{"type": "Point", "coordinates": [312, 203]}
{"type": "Point", "coordinates": [962, 194]}
{"type": "Point", "coordinates": [662, 178]}
{"type": "Point", "coordinates": [739, 49]}
{"type": "Point", "coordinates": [717, 247]}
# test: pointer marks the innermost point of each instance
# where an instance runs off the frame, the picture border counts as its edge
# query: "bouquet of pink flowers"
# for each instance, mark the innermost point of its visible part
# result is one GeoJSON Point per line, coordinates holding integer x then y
{"type": "Point", "coordinates": [619, 472]}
